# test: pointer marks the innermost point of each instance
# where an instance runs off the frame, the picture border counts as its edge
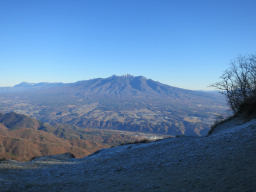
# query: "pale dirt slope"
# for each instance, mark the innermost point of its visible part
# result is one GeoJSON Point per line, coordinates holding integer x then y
{"type": "Point", "coordinates": [224, 161]}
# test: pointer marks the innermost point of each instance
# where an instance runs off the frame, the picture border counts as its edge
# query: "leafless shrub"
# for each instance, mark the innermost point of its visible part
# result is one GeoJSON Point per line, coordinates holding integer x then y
{"type": "Point", "coordinates": [238, 83]}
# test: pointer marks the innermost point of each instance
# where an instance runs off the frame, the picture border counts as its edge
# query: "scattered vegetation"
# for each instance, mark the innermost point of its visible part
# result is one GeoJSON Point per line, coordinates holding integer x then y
{"type": "Point", "coordinates": [2, 159]}
{"type": "Point", "coordinates": [219, 120]}
{"type": "Point", "coordinates": [25, 138]}
{"type": "Point", "coordinates": [238, 84]}
{"type": "Point", "coordinates": [138, 141]}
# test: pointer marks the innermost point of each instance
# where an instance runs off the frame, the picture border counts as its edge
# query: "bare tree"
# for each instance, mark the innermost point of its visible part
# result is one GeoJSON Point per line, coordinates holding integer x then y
{"type": "Point", "coordinates": [238, 82]}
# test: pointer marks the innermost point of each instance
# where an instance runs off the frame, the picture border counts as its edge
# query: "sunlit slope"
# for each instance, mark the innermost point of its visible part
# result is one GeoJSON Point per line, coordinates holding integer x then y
{"type": "Point", "coordinates": [23, 138]}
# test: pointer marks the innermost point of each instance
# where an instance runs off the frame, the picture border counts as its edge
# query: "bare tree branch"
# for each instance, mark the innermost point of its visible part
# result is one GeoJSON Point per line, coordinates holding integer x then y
{"type": "Point", "coordinates": [238, 82]}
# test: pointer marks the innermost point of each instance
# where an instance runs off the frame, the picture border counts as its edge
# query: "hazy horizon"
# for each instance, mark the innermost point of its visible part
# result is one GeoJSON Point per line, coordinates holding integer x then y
{"type": "Point", "coordinates": [186, 44]}
{"type": "Point", "coordinates": [212, 89]}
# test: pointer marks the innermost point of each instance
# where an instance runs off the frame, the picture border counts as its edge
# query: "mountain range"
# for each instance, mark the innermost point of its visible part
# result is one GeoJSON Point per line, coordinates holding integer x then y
{"type": "Point", "coordinates": [127, 103]}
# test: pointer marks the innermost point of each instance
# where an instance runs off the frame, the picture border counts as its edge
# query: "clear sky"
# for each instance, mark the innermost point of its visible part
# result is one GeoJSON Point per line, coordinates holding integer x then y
{"type": "Point", "coordinates": [184, 43]}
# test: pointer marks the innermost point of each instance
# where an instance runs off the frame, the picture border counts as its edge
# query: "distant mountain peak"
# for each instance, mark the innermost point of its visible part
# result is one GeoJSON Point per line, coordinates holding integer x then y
{"type": "Point", "coordinates": [24, 84]}
{"type": "Point", "coordinates": [41, 84]}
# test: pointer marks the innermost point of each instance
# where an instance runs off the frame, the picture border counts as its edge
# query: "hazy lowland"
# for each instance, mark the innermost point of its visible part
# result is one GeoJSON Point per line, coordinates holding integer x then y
{"type": "Point", "coordinates": [127, 103]}
{"type": "Point", "coordinates": [158, 137]}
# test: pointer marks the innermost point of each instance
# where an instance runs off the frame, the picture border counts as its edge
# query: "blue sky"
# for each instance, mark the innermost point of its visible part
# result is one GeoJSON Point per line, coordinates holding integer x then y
{"type": "Point", "coordinates": [182, 43]}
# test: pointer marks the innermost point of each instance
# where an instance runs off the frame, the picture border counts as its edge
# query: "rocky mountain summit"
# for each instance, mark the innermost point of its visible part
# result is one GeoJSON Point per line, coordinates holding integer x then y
{"type": "Point", "coordinates": [223, 161]}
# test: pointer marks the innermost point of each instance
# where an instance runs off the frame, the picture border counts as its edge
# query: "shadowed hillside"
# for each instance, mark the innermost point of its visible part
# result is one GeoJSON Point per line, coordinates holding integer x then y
{"type": "Point", "coordinates": [22, 138]}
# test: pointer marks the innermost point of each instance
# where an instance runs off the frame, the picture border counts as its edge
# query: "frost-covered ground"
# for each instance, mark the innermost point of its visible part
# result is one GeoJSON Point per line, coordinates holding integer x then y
{"type": "Point", "coordinates": [223, 161]}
